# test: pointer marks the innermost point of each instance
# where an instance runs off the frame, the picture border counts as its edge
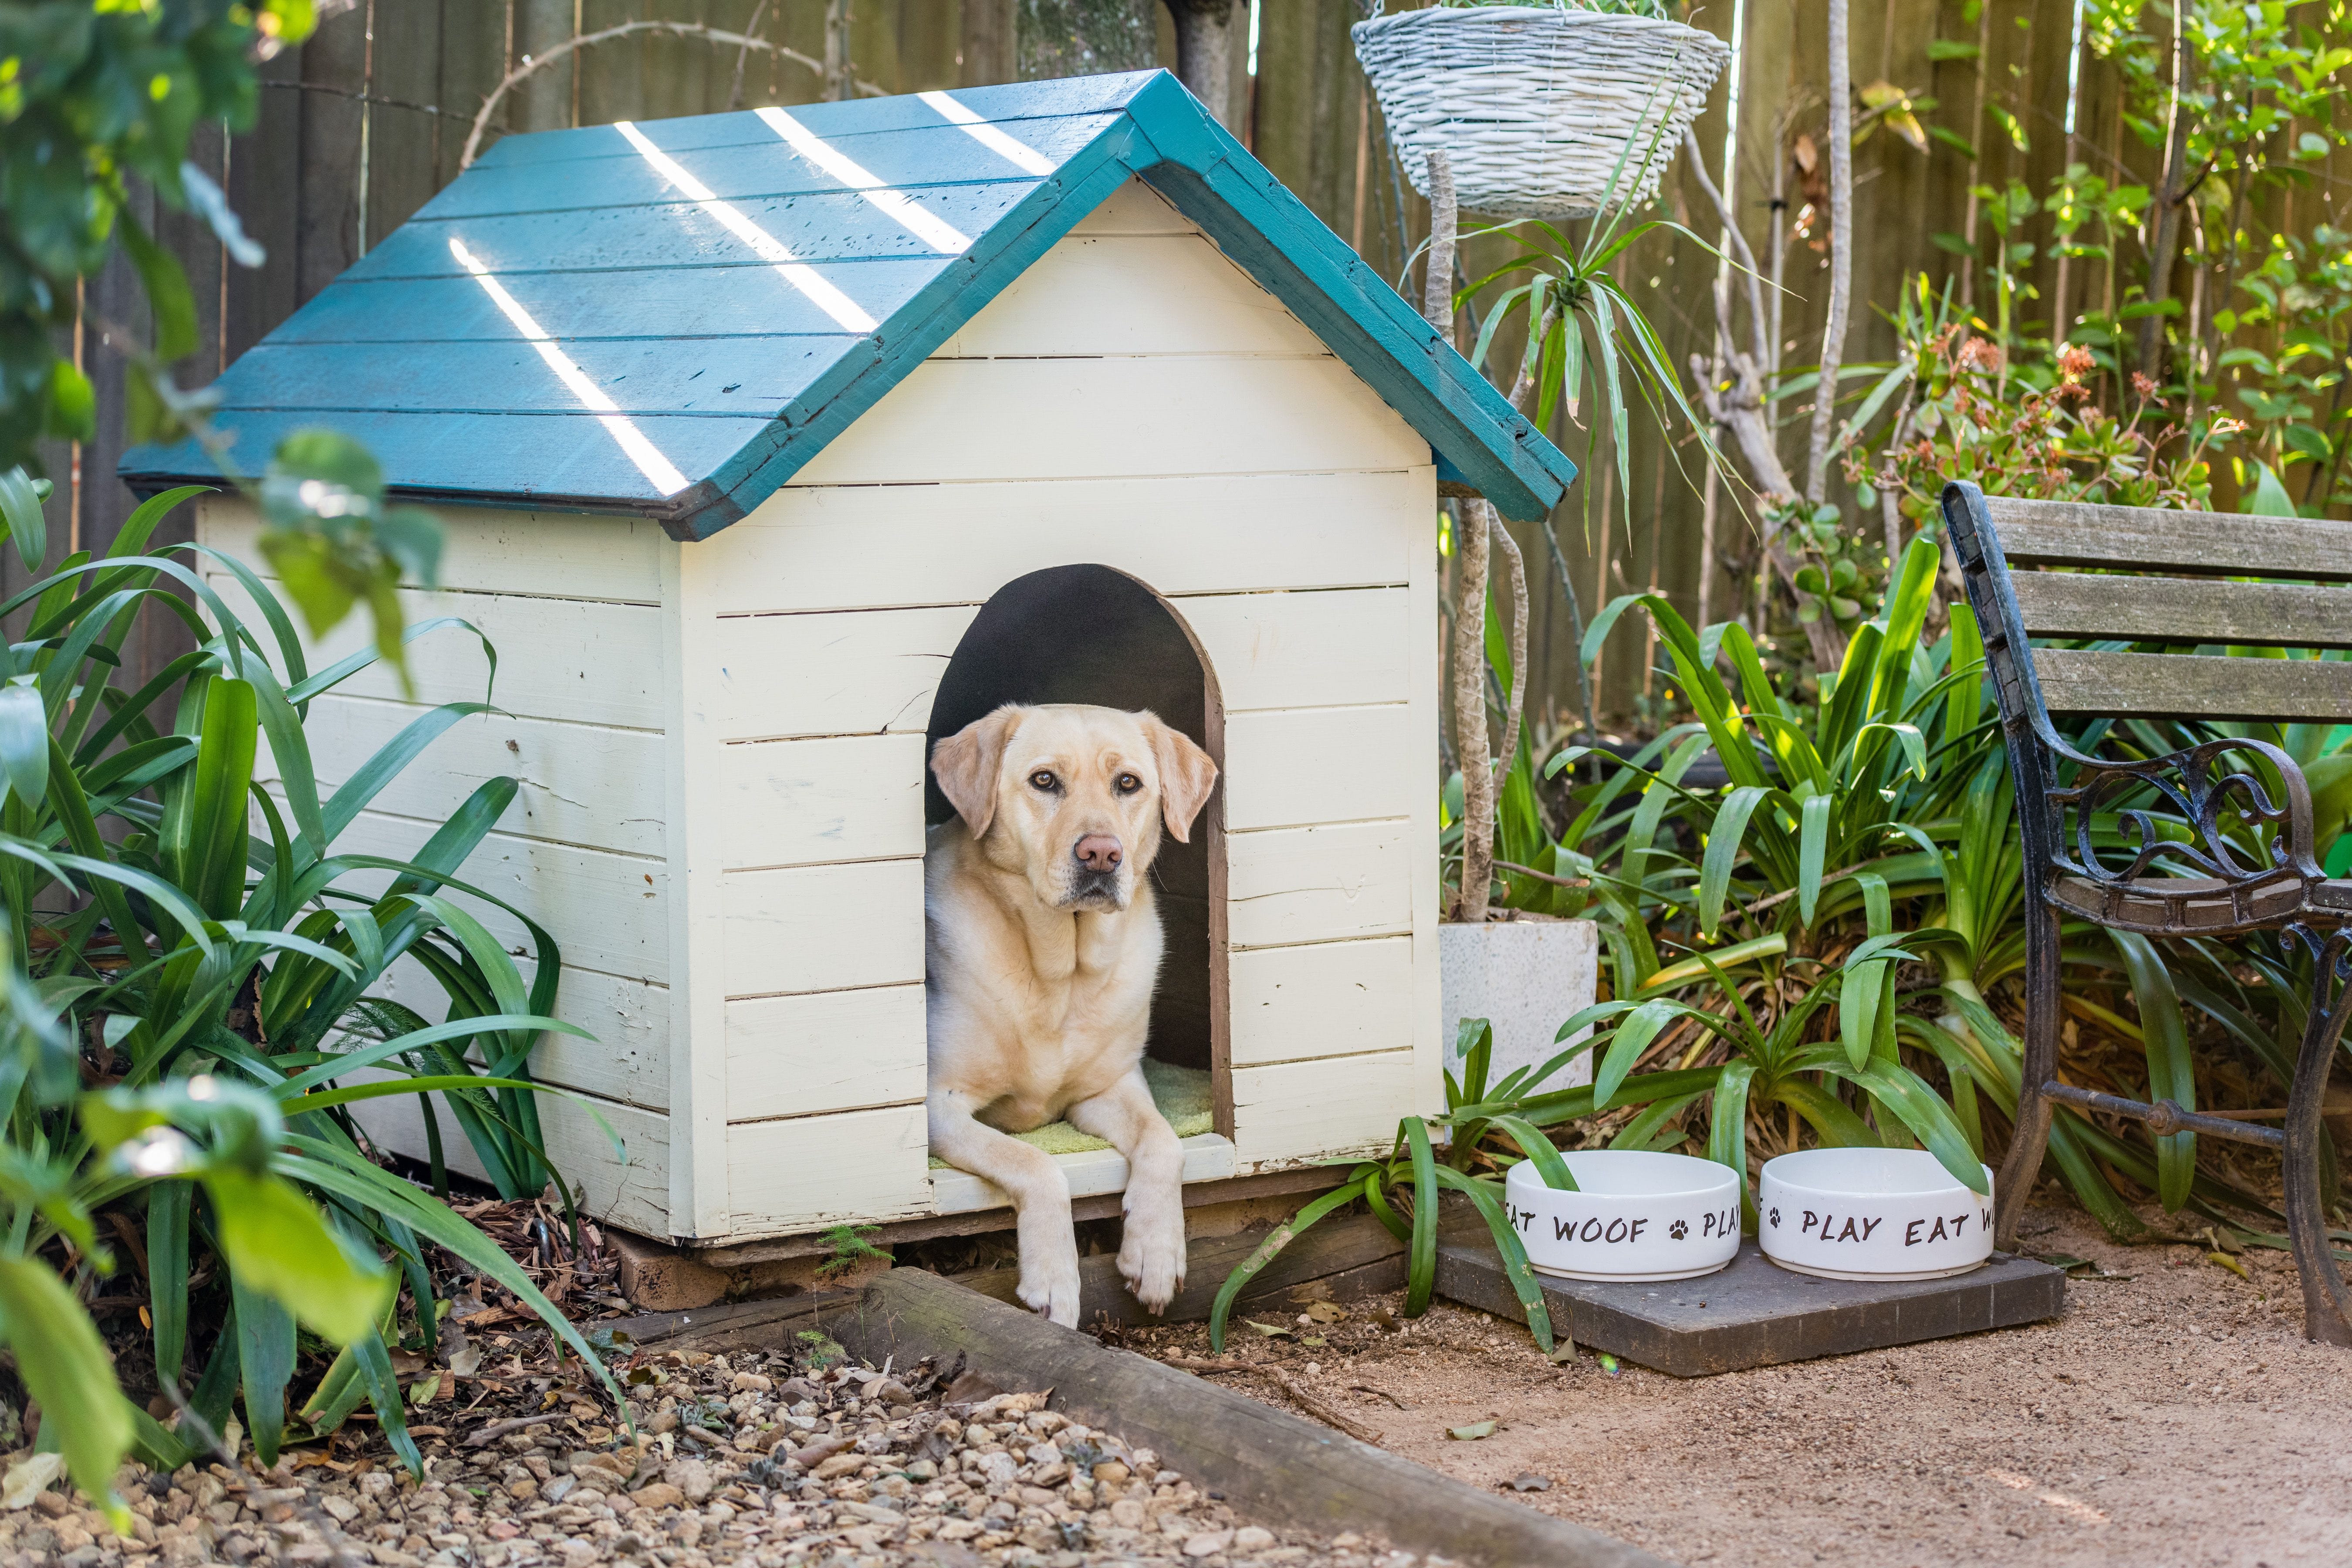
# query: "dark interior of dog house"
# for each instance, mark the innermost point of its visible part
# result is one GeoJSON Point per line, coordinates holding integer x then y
{"type": "Point", "coordinates": [1092, 635]}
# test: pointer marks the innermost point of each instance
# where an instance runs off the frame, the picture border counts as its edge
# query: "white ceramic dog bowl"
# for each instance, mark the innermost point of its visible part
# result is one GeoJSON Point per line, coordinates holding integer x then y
{"type": "Point", "coordinates": [1871, 1213]}
{"type": "Point", "coordinates": [1640, 1216]}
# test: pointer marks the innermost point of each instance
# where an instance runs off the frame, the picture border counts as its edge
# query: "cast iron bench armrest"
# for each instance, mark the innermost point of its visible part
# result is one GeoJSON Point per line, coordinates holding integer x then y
{"type": "Point", "coordinates": [2199, 794]}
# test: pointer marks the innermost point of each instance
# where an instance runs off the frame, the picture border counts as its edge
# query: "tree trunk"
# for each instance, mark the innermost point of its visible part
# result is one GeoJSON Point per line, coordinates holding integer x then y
{"type": "Point", "coordinates": [986, 42]}
{"type": "Point", "coordinates": [1841, 131]}
{"type": "Point", "coordinates": [1204, 52]}
{"type": "Point", "coordinates": [1976, 140]}
{"type": "Point", "coordinates": [840, 73]}
{"type": "Point", "coordinates": [1470, 744]}
{"type": "Point", "coordinates": [2163, 244]}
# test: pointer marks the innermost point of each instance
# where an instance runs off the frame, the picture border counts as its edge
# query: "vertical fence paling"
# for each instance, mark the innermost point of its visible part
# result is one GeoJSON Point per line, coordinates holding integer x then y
{"type": "Point", "coordinates": [354, 138]}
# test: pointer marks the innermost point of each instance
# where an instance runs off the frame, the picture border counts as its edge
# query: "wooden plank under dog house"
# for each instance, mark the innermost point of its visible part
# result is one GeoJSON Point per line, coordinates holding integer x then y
{"type": "Point", "coordinates": [755, 437]}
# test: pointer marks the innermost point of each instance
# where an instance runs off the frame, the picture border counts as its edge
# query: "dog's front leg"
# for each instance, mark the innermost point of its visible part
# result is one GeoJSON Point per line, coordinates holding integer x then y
{"type": "Point", "coordinates": [1040, 1194]}
{"type": "Point", "coordinates": [1152, 1242]}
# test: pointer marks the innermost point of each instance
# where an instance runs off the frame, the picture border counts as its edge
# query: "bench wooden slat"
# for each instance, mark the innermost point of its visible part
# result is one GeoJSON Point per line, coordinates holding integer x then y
{"type": "Point", "coordinates": [2183, 610]}
{"type": "Point", "coordinates": [2194, 686]}
{"type": "Point", "coordinates": [2080, 534]}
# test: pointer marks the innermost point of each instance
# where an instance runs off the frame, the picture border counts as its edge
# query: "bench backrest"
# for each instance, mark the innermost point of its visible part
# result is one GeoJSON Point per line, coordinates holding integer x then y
{"type": "Point", "coordinates": [2183, 590]}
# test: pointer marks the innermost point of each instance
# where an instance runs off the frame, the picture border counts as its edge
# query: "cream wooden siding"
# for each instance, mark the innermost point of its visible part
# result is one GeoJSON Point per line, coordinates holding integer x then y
{"type": "Point", "coordinates": [1135, 401]}
{"type": "Point", "coordinates": [572, 605]}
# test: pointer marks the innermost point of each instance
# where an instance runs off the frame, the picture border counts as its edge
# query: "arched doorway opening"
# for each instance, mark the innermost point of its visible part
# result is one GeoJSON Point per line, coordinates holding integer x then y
{"type": "Point", "coordinates": [1091, 634]}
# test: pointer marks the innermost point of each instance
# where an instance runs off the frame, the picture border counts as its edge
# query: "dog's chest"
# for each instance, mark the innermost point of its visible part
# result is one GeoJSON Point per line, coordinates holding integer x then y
{"type": "Point", "coordinates": [1073, 1036]}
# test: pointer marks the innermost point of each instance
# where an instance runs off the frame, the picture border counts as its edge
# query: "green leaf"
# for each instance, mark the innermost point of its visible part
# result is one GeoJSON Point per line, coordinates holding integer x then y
{"type": "Point", "coordinates": [64, 1365]}
{"type": "Point", "coordinates": [207, 854]}
{"type": "Point", "coordinates": [1831, 1117]}
{"type": "Point", "coordinates": [2171, 1070]}
{"type": "Point", "coordinates": [73, 404]}
{"type": "Point", "coordinates": [1726, 1132]}
{"type": "Point", "coordinates": [1723, 844]}
{"type": "Point", "coordinates": [25, 745]}
{"type": "Point", "coordinates": [1515, 1267]}
{"type": "Point", "coordinates": [169, 298]}
{"type": "Point", "coordinates": [1266, 1251]}
{"type": "Point", "coordinates": [20, 508]}
{"type": "Point", "coordinates": [2270, 498]}
{"type": "Point", "coordinates": [1538, 1150]}
{"type": "Point", "coordinates": [265, 1346]}
{"type": "Point", "coordinates": [1634, 1038]}
{"type": "Point", "coordinates": [1813, 852]}
{"type": "Point", "coordinates": [383, 1394]}
{"type": "Point", "coordinates": [1863, 1002]}
{"type": "Point", "coordinates": [278, 1244]}
{"type": "Point", "coordinates": [1923, 1110]}
{"type": "Point", "coordinates": [1474, 1046]}
{"type": "Point", "coordinates": [1471, 1433]}
{"type": "Point", "coordinates": [167, 1274]}
{"type": "Point", "coordinates": [1950, 49]}
{"type": "Point", "coordinates": [1421, 1258]}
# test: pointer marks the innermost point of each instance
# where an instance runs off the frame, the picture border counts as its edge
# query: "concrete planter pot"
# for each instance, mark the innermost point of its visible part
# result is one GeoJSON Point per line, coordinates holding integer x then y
{"type": "Point", "coordinates": [1527, 977]}
{"type": "Point", "coordinates": [1871, 1213]}
{"type": "Point", "coordinates": [1637, 1215]}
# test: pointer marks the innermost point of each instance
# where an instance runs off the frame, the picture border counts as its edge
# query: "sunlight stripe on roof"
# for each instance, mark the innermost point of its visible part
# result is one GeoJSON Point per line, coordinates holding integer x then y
{"type": "Point", "coordinates": [766, 245]}
{"type": "Point", "coordinates": [660, 470]}
{"type": "Point", "coordinates": [907, 211]}
{"type": "Point", "coordinates": [987, 135]}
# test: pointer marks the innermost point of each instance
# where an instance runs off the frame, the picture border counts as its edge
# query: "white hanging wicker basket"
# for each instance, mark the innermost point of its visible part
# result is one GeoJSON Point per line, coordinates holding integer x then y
{"type": "Point", "coordinates": [1534, 105]}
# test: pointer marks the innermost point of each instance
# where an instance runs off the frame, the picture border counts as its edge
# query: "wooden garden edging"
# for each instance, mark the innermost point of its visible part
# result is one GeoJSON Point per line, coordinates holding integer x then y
{"type": "Point", "coordinates": [1270, 1466]}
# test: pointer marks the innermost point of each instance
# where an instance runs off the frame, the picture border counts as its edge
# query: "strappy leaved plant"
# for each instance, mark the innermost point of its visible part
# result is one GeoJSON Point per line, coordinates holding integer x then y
{"type": "Point", "coordinates": [186, 1028]}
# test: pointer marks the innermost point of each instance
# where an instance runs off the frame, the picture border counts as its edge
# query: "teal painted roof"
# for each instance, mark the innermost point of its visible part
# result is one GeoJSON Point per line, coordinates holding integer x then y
{"type": "Point", "coordinates": [517, 342]}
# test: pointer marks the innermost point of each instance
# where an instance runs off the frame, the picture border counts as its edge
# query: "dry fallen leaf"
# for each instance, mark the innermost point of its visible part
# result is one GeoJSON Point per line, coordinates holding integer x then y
{"type": "Point", "coordinates": [1472, 1433]}
{"type": "Point", "coordinates": [29, 1477]}
{"type": "Point", "coordinates": [1270, 1331]}
{"type": "Point", "coordinates": [1325, 1311]}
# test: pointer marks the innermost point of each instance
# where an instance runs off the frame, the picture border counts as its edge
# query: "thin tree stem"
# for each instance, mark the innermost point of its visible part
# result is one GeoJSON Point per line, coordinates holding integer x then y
{"type": "Point", "coordinates": [1841, 134]}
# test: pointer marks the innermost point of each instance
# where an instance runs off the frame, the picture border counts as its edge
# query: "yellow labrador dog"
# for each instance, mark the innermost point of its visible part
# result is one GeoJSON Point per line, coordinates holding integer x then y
{"type": "Point", "coordinates": [1043, 947]}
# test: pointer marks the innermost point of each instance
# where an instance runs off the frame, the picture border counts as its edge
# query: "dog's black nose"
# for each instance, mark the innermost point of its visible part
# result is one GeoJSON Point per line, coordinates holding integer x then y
{"type": "Point", "coordinates": [1100, 852]}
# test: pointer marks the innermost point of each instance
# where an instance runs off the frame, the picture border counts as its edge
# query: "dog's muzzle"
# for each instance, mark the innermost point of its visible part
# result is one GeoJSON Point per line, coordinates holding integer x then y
{"type": "Point", "coordinates": [1094, 890]}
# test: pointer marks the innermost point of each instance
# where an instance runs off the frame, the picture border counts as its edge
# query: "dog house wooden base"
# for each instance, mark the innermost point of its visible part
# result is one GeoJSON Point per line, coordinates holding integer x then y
{"type": "Point", "coordinates": [1146, 358]}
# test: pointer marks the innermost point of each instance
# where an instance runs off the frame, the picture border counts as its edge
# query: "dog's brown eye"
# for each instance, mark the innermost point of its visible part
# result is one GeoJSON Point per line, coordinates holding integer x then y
{"type": "Point", "coordinates": [1128, 784]}
{"type": "Point", "coordinates": [1045, 780]}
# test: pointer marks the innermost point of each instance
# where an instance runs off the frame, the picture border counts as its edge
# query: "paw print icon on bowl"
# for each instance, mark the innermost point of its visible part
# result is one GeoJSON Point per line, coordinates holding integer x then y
{"type": "Point", "coordinates": [1635, 1214]}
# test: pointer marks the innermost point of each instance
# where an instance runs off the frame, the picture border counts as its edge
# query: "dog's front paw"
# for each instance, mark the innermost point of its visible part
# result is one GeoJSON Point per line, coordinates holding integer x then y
{"type": "Point", "coordinates": [1151, 1254]}
{"type": "Point", "coordinates": [1049, 1287]}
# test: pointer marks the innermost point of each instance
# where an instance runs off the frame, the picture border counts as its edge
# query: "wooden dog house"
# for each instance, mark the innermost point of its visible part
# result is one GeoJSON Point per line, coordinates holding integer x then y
{"type": "Point", "coordinates": [768, 444]}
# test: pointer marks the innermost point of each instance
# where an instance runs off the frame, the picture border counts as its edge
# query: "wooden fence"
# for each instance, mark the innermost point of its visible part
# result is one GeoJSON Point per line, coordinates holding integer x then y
{"type": "Point", "coordinates": [363, 124]}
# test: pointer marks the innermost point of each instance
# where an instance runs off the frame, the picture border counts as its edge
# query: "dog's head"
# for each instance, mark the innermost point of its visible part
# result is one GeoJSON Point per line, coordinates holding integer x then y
{"type": "Point", "coordinates": [1075, 796]}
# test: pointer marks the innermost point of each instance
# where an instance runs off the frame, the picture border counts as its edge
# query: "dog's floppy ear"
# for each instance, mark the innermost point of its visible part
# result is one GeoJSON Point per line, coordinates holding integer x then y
{"type": "Point", "coordinates": [966, 763]}
{"type": "Point", "coordinates": [1186, 776]}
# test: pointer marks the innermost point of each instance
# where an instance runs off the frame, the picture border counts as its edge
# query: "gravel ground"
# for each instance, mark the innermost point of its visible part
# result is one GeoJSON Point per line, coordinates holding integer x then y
{"type": "Point", "coordinates": [2174, 1415]}
{"type": "Point", "coordinates": [745, 1459]}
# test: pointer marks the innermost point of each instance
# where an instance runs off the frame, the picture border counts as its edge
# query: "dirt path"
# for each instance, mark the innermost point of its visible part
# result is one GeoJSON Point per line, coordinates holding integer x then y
{"type": "Point", "coordinates": [2175, 1417]}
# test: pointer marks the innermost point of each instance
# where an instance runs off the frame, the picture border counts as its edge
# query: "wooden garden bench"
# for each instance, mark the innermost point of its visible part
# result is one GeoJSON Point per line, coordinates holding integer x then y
{"type": "Point", "coordinates": [2184, 588]}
